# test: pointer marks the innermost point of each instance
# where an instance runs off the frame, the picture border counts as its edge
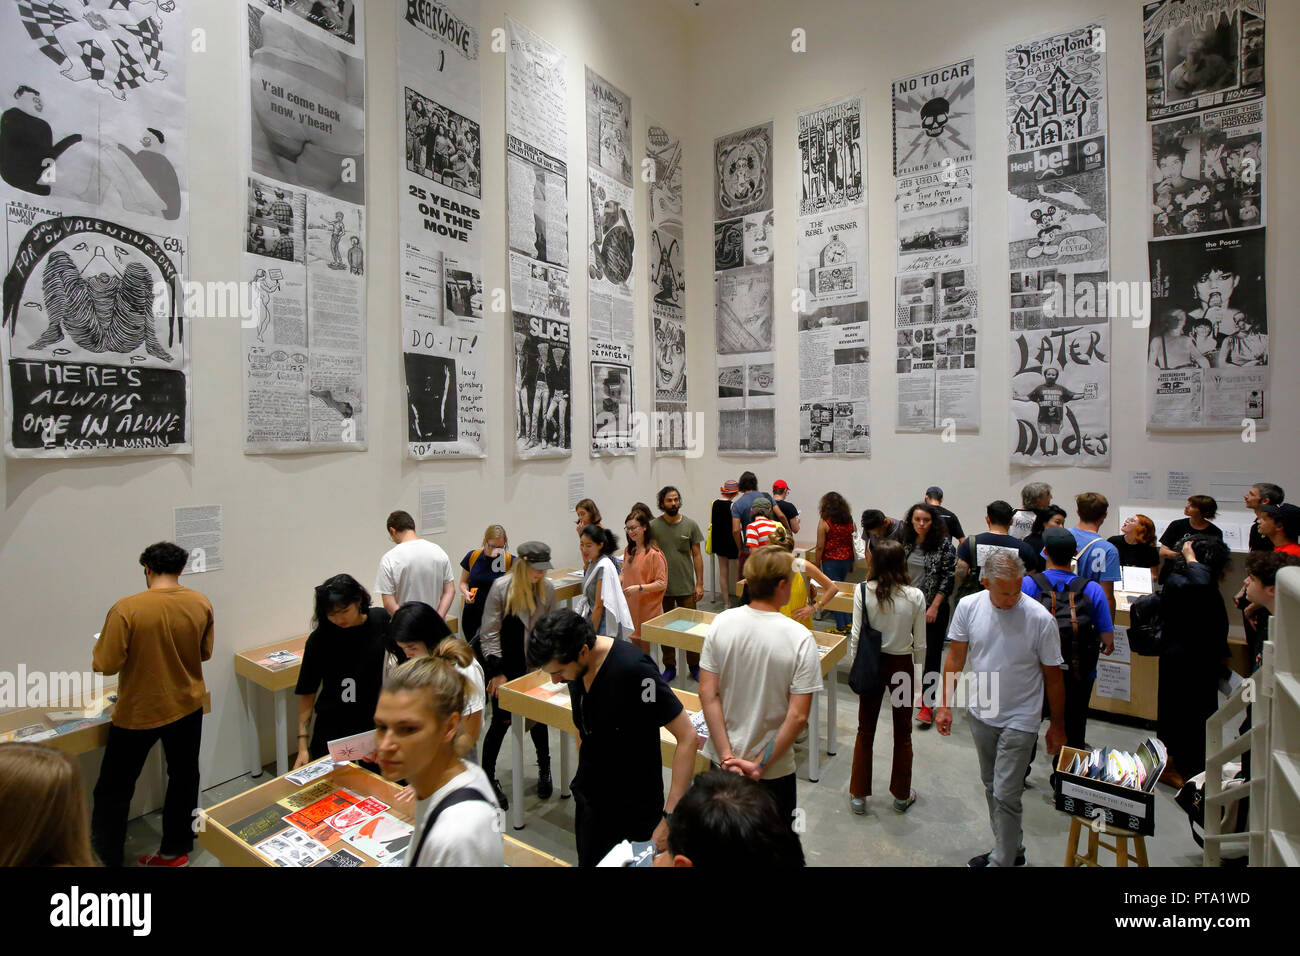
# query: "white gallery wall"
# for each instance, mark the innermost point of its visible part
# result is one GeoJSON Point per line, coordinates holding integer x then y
{"type": "Point", "coordinates": [743, 72]}
{"type": "Point", "coordinates": [71, 531]}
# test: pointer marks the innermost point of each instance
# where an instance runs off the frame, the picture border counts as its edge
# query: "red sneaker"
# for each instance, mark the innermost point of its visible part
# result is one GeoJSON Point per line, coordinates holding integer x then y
{"type": "Point", "coordinates": [157, 859]}
{"type": "Point", "coordinates": [925, 718]}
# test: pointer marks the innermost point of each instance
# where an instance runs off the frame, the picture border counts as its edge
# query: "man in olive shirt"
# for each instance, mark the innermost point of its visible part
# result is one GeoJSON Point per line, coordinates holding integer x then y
{"type": "Point", "coordinates": [155, 641]}
{"type": "Point", "coordinates": [679, 538]}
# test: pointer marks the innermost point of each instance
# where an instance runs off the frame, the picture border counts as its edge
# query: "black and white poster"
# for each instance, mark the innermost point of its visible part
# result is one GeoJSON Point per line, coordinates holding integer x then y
{"type": "Point", "coordinates": [1208, 342]}
{"type": "Point", "coordinates": [537, 192]}
{"type": "Point", "coordinates": [667, 289]}
{"type": "Point", "coordinates": [440, 198]}
{"type": "Point", "coordinates": [95, 330]}
{"type": "Point", "coordinates": [611, 249]}
{"type": "Point", "coordinates": [832, 280]}
{"type": "Point", "coordinates": [936, 292]}
{"type": "Point", "coordinates": [1202, 54]}
{"type": "Point", "coordinates": [1058, 230]}
{"type": "Point", "coordinates": [305, 246]}
{"type": "Point", "coordinates": [1208, 350]}
{"type": "Point", "coordinates": [743, 296]}
{"type": "Point", "coordinates": [934, 120]}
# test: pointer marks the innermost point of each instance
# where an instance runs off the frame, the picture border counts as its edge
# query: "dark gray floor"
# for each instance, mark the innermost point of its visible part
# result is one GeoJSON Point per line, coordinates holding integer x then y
{"type": "Point", "coordinates": [947, 825]}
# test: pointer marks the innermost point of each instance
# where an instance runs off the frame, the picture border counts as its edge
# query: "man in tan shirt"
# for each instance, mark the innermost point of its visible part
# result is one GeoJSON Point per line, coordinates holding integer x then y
{"type": "Point", "coordinates": [155, 641]}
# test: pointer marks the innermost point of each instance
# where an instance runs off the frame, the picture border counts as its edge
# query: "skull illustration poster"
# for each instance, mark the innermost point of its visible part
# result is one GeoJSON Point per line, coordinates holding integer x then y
{"type": "Point", "coordinates": [743, 305]}
{"type": "Point", "coordinates": [94, 332]}
{"type": "Point", "coordinates": [537, 163]}
{"type": "Point", "coordinates": [440, 209]}
{"type": "Point", "coordinates": [610, 267]}
{"type": "Point", "coordinates": [305, 249]}
{"type": "Point", "coordinates": [1202, 53]}
{"type": "Point", "coordinates": [832, 281]}
{"type": "Point", "coordinates": [1058, 230]}
{"type": "Point", "coordinates": [934, 119]}
{"type": "Point", "coordinates": [667, 289]}
{"type": "Point", "coordinates": [936, 288]}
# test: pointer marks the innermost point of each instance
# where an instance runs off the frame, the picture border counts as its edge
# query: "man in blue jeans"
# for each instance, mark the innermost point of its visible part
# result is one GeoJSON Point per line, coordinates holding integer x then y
{"type": "Point", "coordinates": [1014, 651]}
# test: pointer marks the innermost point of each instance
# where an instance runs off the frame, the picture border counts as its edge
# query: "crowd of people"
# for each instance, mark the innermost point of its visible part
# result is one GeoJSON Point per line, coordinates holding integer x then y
{"type": "Point", "coordinates": [1031, 601]}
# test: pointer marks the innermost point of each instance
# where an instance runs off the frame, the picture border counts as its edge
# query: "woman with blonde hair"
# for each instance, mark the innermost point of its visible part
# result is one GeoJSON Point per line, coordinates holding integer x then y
{"type": "Point", "coordinates": [801, 606]}
{"type": "Point", "coordinates": [645, 573]}
{"type": "Point", "coordinates": [417, 730]}
{"type": "Point", "coordinates": [515, 604]}
{"type": "Point", "coordinates": [480, 569]}
{"type": "Point", "coordinates": [43, 815]}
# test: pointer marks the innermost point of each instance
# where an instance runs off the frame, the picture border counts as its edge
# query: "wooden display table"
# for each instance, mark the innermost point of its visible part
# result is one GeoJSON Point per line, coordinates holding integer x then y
{"type": "Point", "coordinates": [279, 678]}
{"type": "Point", "coordinates": [567, 587]}
{"type": "Point", "coordinates": [81, 739]}
{"type": "Point", "coordinates": [526, 698]}
{"type": "Point", "coordinates": [217, 838]}
{"type": "Point", "coordinates": [830, 647]}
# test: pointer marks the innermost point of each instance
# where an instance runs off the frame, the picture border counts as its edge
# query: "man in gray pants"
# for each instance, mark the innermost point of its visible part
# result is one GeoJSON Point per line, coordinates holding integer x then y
{"type": "Point", "coordinates": [1014, 649]}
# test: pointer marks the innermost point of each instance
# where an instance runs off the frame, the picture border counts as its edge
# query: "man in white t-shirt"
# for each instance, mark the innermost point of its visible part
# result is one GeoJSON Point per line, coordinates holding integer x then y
{"type": "Point", "coordinates": [1035, 495]}
{"type": "Point", "coordinates": [414, 569]}
{"type": "Point", "coordinates": [758, 672]}
{"type": "Point", "coordinates": [1013, 647]}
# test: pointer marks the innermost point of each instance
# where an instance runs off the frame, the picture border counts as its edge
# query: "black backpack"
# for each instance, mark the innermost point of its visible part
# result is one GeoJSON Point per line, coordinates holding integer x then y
{"type": "Point", "coordinates": [1145, 628]}
{"type": "Point", "coordinates": [1080, 639]}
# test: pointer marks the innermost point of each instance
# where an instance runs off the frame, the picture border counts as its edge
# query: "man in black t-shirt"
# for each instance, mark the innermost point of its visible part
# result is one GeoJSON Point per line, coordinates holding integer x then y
{"type": "Point", "coordinates": [1051, 400]}
{"type": "Point", "coordinates": [934, 496]}
{"type": "Point", "coordinates": [786, 512]}
{"type": "Point", "coordinates": [1260, 494]}
{"type": "Point", "coordinates": [619, 705]}
{"type": "Point", "coordinates": [974, 549]}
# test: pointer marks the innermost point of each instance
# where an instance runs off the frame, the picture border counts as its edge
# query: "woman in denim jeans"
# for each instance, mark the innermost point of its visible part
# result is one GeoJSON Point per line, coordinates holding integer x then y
{"type": "Point", "coordinates": [931, 565]}
{"type": "Point", "coordinates": [835, 545]}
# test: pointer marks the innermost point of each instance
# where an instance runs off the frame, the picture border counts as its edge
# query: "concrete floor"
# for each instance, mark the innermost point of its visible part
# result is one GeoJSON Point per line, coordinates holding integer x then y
{"type": "Point", "coordinates": [946, 826]}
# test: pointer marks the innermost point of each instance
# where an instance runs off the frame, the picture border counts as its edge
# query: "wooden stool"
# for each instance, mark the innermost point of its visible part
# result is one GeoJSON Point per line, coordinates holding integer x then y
{"type": "Point", "coordinates": [1119, 847]}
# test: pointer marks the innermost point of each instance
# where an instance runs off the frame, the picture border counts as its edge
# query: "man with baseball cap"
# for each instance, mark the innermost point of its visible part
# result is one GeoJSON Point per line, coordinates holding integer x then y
{"type": "Point", "coordinates": [934, 496]}
{"type": "Point", "coordinates": [1281, 525]}
{"type": "Point", "coordinates": [785, 511]}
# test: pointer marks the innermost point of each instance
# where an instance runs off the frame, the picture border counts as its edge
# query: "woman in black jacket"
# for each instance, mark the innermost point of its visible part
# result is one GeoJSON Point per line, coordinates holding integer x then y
{"type": "Point", "coordinates": [1194, 625]}
{"type": "Point", "coordinates": [931, 566]}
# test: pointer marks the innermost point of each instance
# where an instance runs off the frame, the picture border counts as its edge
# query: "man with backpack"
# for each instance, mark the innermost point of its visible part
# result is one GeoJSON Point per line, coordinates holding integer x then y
{"type": "Point", "coordinates": [1083, 620]}
{"type": "Point", "coordinates": [972, 552]}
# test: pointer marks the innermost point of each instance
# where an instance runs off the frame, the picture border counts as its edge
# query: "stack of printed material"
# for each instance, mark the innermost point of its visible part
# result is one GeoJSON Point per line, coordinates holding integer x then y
{"type": "Point", "coordinates": [1138, 770]}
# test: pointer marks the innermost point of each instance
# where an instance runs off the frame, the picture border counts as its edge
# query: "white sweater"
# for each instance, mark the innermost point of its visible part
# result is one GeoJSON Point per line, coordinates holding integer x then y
{"type": "Point", "coordinates": [901, 626]}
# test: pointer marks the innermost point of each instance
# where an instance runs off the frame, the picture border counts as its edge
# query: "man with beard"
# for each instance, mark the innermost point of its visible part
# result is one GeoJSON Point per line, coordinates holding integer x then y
{"type": "Point", "coordinates": [679, 538]}
{"type": "Point", "coordinates": [1050, 399]}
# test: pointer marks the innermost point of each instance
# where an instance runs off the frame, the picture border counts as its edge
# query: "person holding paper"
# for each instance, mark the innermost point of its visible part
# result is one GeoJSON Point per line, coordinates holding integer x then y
{"type": "Point", "coordinates": [156, 641]}
{"type": "Point", "coordinates": [417, 733]}
{"type": "Point", "coordinates": [480, 569]}
{"type": "Point", "coordinates": [1136, 544]}
{"type": "Point", "coordinates": [342, 667]}
{"type": "Point", "coordinates": [620, 703]}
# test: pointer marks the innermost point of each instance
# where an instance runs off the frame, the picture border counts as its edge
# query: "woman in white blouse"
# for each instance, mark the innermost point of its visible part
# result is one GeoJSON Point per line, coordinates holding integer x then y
{"type": "Point", "coordinates": [887, 603]}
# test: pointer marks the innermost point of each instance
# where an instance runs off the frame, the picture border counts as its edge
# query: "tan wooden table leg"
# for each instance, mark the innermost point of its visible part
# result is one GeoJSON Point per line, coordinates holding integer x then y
{"type": "Point", "coordinates": [1072, 843]}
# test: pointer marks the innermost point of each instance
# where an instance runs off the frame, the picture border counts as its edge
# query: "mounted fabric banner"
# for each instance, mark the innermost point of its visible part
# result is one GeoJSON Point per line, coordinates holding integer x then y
{"type": "Point", "coordinates": [1058, 215]}
{"type": "Point", "coordinates": [832, 278]}
{"type": "Point", "coordinates": [1208, 346]}
{"type": "Point", "coordinates": [304, 344]}
{"type": "Point", "coordinates": [440, 198]}
{"type": "Point", "coordinates": [742, 291]}
{"type": "Point", "coordinates": [537, 196]}
{"type": "Point", "coordinates": [667, 289]}
{"type": "Point", "coordinates": [95, 326]}
{"type": "Point", "coordinates": [610, 267]}
{"type": "Point", "coordinates": [936, 292]}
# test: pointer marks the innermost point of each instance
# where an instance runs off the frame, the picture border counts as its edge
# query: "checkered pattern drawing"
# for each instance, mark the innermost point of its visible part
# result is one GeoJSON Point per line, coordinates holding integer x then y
{"type": "Point", "coordinates": [117, 44]}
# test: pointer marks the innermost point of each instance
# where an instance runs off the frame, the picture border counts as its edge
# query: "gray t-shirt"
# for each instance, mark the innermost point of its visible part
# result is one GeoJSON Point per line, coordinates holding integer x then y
{"type": "Point", "coordinates": [1006, 653]}
{"type": "Point", "coordinates": [761, 658]}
